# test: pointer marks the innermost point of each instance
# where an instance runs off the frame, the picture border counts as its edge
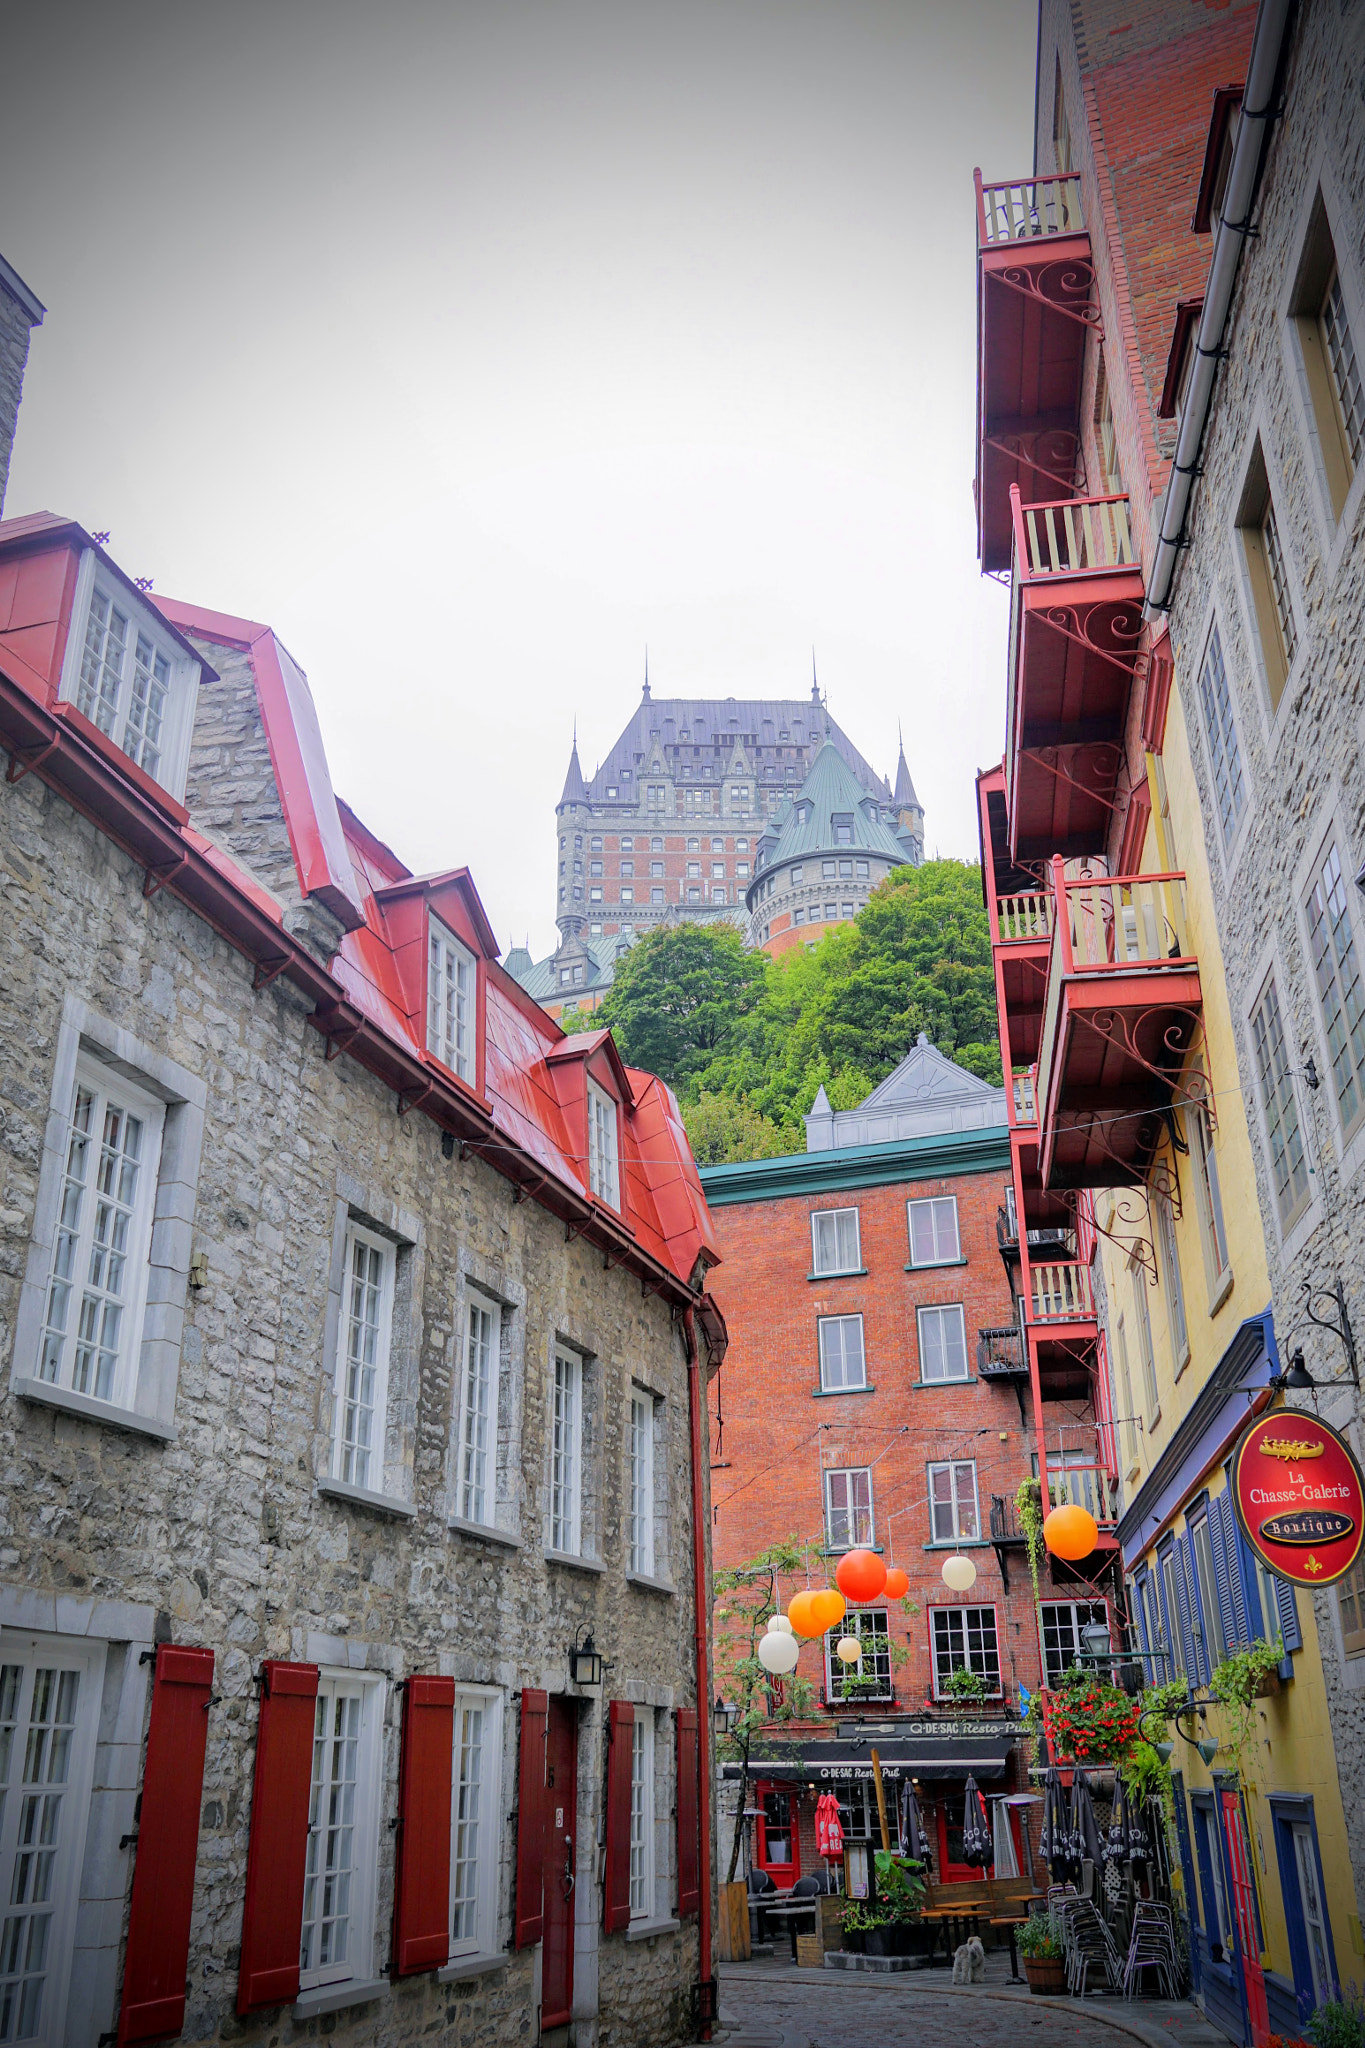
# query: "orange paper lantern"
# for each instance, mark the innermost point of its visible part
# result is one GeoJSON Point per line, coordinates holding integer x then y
{"type": "Point", "coordinates": [801, 1615]}
{"type": "Point", "coordinates": [828, 1608]}
{"type": "Point", "coordinates": [861, 1575]}
{"type": "Point", "coordinates": [897, 1583]}
{"type": "Point", "coordinates": [1070, 1532]}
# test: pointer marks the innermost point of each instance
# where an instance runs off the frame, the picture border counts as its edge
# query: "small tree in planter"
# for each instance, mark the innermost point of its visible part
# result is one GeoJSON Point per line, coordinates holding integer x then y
{"type": "Point", "coordinates": [746, 1597]}
{"type": "Point", "coordinates": [1038, 1944]}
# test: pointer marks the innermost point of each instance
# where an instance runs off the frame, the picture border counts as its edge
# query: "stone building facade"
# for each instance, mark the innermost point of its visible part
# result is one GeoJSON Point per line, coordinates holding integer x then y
{"type": "Point", "coordinates": [356, 1340]}
{"type": "Point", "coordinates": [20, 313]}
{"type": "Point", "coordinates": [876, 1402]}
{"type": "Point", "coordinates": [1268, 593]}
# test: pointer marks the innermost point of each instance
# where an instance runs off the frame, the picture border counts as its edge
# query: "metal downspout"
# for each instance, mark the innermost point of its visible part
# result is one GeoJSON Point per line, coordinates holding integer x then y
{"type": "Point", "coordinates": [1259, 111]}
{"type": "Point", "coordinates": [700, 1612]}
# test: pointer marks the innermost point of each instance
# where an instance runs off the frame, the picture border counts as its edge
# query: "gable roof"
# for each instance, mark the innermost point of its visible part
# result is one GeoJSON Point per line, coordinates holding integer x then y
{"type": "Point", "coordinates": [716, 725]}
{"type": "Point", "coordinates": [926, 1095]}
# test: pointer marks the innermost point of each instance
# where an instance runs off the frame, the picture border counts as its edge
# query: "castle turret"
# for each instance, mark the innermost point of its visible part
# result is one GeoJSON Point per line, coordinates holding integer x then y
{"type": "Point", "coordinates": [571, 814]}
{"type": "Point", "coordinates": [909, 810]}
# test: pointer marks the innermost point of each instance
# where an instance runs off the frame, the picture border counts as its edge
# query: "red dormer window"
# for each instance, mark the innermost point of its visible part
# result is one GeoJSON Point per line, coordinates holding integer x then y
{"type": "Point", "coordinates": [452, 983]}
{"type": "Point", "coordinates": [130, 676]}
{"type": "Point", "coordinates": [604, 1171]}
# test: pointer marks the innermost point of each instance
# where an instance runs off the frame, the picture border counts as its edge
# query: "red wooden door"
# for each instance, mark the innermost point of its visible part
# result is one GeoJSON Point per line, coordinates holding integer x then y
{"type": "Point", "coordinates": [561, 1847]}
{"type": "Point", "coordinates": [777, 1847]}
{"type": "Point", "coordinates": [1244, 1911]}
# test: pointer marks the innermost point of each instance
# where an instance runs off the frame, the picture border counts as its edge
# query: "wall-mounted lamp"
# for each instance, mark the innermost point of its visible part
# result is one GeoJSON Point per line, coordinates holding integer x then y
{"type": "Point", "coordinates": [585, 1665]}
{"type": "Point", "coordinates": [724, 1716]}
{"type": "Point", "coordinates": [1296, 1373]}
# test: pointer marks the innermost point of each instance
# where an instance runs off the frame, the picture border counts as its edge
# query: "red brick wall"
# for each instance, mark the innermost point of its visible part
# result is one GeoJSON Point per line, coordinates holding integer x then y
{"type": "Point", "coordinates": [777, 1435]}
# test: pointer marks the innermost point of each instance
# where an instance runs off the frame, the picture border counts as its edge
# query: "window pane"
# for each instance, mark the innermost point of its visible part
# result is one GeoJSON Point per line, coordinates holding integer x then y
{"type": "Point", "coordinates": [1224, 753]}
{"type": "Point", "coordinates": [332, 1847]}
{"type": "Point", "coordinates": [1345, 365]}
{"type": "Point", "coordinates": [474, 1417]}
{"type": "Point", "coordinates": [564, 1443]}
{"type": "Point", "coordinates": [464, 1858]}
{"type": "Point", "coordinates": [38, 1708]}
{"type": "Point", "coordinates": [642, 1485]}
{"type": "Point", "coordinates": [841, 1351]}
{"type": "Point", "coordinates": [451, 977]}
{"type": "Point", "coordinates": [1289, 1168]}
{"type": "Point", "coordinates": [1336, 969]}
{"type": "Point", "coordinates": [964, 1638]}
{"type": "Point", "coordinates": [942, 1344]}
{"type": "Point", "coordinates": [363, 1311]}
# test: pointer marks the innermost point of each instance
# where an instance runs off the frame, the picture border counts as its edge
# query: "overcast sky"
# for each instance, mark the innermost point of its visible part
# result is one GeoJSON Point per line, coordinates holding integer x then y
{"type": "Point", "coordinates": [474, 347]}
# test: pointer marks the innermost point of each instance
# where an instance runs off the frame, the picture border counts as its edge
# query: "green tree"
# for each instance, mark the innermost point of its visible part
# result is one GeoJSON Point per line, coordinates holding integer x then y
{"type": "Point", "coordinates": [679, 997]}
{"type": "Point", "coordinates": [722, 1128]}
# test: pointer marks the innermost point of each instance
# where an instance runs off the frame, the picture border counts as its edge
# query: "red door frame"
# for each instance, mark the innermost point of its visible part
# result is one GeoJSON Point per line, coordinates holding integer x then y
{"type": "Point", "coordinates": [561, 1848]}
{"type": "Point", "coordinates": [1244, 1915]}
{"type": "Point", "coordinates": [783, 1875]}
{"type": "Point", "coordinates": [951, 1873]}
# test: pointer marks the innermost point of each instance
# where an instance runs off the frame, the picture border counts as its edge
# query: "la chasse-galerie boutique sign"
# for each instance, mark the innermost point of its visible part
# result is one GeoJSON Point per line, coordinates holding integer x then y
{"type": "Point", "coordinates": [1300, 1497]}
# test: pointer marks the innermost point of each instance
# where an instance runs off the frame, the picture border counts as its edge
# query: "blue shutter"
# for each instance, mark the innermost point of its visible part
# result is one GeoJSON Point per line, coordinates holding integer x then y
{"type": "Point", "coordinates": [1192, 1614]}
{"type": "Point", "coordinates": [1182, 1829]}
{"type": "Point", "coordinates": [1222, 1573]}
{"type": "Point", "coordinates": [1138, 1606]}
{"type": "Point", "coordinates": [1289, 1615]}
{"type": "Point", "coordinates": [1257, 1625]}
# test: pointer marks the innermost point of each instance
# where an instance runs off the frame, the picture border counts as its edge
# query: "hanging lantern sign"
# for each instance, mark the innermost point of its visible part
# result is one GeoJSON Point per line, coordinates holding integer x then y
{"type": "Point", "coordinates": [1300, 1496]}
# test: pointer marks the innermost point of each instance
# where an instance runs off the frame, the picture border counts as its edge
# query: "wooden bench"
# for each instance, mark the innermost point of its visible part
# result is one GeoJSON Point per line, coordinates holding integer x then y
{"type": "Point", "coordinates": [993, 1901]}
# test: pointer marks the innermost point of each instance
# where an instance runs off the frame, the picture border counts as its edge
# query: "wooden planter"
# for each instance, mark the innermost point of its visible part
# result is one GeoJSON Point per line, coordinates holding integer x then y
{"type": "Point", "coordinates": [1271, 1684]}
{"type": "Point", "coordinates": [732, 1923]}
{"type": "Point", "coordinates": [1046, 1978]}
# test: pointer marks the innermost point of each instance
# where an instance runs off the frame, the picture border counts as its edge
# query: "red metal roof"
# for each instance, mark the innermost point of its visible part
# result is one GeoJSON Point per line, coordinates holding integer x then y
{"type": "Point", "coordinates": [521, 1122]}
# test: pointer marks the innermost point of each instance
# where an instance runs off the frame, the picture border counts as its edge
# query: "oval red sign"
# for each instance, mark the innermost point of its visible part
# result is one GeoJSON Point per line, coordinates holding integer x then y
{"type": "Point", "coordinates": [1300, 1496]}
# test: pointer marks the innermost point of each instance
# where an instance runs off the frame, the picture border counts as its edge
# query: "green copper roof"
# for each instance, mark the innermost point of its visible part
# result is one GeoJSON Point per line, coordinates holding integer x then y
{"type": "Point", "coordinates": [832, 790]}
{"type": "Point", "coordinates": [859, 1166]}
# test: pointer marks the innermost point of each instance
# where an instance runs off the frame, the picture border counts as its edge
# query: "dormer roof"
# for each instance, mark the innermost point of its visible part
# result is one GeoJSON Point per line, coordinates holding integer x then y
{"type": "Point", "coordinates": [806, 825]}
{"type": "Point", "coordinates": [927, 1094]}
{"type": "Point", "coordinates": [767, 727]}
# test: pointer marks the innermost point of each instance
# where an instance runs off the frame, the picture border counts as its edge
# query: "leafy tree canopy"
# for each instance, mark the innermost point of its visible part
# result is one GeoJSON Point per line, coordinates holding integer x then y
{"type": "Point", "coordinates": [747, 1041]}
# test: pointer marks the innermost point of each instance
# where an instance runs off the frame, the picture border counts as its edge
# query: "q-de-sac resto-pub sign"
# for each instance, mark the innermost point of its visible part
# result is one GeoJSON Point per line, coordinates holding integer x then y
{"type": "Point", "coordinates": [1300, 1496]}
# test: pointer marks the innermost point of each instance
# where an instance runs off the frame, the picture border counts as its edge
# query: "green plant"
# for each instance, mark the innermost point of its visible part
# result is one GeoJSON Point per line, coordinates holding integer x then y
{"type": "Point", "coordinates": [859, 1919]}
{"type": "Point", "coordinates": [746, 1596]}
{"type": "Point", "coordinates": [963, 1684]}
{"type": "Point", "coordinates": [1040, 1938]}
{"type": "Point", "coordinates": [1029, 1502]}
{"type": "Point", "coordinates": [1235, 1684]}
{"type": "Point", "coordinates": [900, 1885]}
{"type": "Point", "coordinates": [1340, 2023]}
{"type": "Point", "coordinates": [1091, 1720]}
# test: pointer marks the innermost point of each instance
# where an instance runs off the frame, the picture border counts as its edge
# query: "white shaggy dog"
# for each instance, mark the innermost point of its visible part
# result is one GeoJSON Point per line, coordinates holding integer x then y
{"type": "Point", "coordinates": [969, 1963]}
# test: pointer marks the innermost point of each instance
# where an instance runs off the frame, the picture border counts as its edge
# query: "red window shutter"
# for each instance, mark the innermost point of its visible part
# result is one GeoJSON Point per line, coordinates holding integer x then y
{"type": "Point", "coordinates": [689, 1841]}
{"type": "Point", "coordinates": [616, 1887]}
{"type": "Point", "coordinates": [272, 1920]}
{"type": "Point", "coordinates": [421, 1908]}
{"type": "Point", "coordinates": [157, 1957]}
{"type": "Point", "coordinates": [530, 1911]}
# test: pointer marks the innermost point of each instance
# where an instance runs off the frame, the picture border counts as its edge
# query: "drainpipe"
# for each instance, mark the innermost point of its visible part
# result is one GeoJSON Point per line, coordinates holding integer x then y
{"type": "Point", "coordinates": [695, 1392]}
{"type": "Point", "coordinates": [1259, 110]}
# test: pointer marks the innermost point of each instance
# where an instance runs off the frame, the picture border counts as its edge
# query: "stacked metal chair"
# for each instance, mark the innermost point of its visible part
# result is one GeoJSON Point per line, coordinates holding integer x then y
{"type": "Point", "coordinates": [1087, 1946]}
{"type": "Point", "coordinates": [1152, 1947]}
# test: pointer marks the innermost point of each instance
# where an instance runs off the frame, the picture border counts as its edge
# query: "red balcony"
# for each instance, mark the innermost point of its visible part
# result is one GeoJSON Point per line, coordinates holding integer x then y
{"type": "Point", "coordinates": [1123, 1011]}
{"type": "Point", "coordinates": [1075, 619]}
{"type": "Point", "coordinates": [1034, 304]}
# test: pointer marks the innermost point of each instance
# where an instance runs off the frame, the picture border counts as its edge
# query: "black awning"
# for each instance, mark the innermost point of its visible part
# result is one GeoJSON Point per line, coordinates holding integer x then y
{"type": "Point", "coordinates": [924, 1750]}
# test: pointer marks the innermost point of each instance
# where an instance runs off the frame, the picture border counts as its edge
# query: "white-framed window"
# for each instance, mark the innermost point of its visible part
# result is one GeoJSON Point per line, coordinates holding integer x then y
{"type": "Point", "coordinates": [478, 1409]}
{"type": "Point", "coordinates": [834, 1237]}
{"type": "Point", "coordinates": [872, 1627]}
{"type": "Point", "coordinates": [475, 1819]}
{"type": "Point", "coordinates": [1143, 1323]}
{"type": "Point", "coordinates": [934, 1236]}
{"type": "Point", "coordinates": [49, 1720]}
{"type": "Point", "coordinates": [842, 1360]}
{"type": "Point", "coordinates": [337, 1938]}
{"type": "Point", "coordinates": [1220, 730]}
{"type": "Point", "coordinates": [942, 1343]}
{"type": "Point", "coordinates": [1175, 1286]}
{"type": "Point", "coordinates": [642, 1815]}
{"type": "Point", "coordinates": [1284, 1133]}
{"type": "Point", "coordinates": [848, 1508]}
{"type": "Point", "coordinates": [641, 1520]}
{"type": "Point", "coordinates": [97, 1284]}
{"type": "Point", "coordinates": [627, 895]}
{"type": "Point", "coordinates": [964, 1639]}
{"type": "Point", "coordinates": [603, 1170]}
{"type": "Point", "coordinates": [125, 672]}
{"type": "Point", "coordinates": [1336, 975]}
{"type": "Point", "coordinates": [1127, 1414]}
{"type": "Point", "coordinates": [954, 1512]}
{"type": "Point", "coordinates": [362, 1369]}
{"type": "Point", "coordinates": [452, 983]}
{"type": "Point", "coordinates": [1062, 1622]}
{"type": "Point", "coordinates": [566, 1454]}
{"type": "Point", "coordinates": [1209, 1192]}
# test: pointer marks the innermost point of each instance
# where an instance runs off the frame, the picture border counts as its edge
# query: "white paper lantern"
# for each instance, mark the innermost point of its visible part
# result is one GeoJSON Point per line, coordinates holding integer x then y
{"type": "Point", "coordinates": [959, 1573]}
{"type": "Point", "coordinates": [778, 1653]}
{"type": "Point", "coordinates": [848, 1649]}
{"type": "Point", "coordinates": [780, 1626]}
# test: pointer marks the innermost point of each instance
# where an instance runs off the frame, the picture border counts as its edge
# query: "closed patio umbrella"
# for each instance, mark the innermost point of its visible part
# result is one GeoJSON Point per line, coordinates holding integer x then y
{"type": "Point", "coordinates": [1085, 1832]}
{"type": "Point", "coordinates": [977, 1843]}
{"type": "Point", "coordinates": [914, 1841]}
{"type": "Point", "coordinates": [1058, 1852]}
{"type": "Point", "coordinates": [1006, 1862]}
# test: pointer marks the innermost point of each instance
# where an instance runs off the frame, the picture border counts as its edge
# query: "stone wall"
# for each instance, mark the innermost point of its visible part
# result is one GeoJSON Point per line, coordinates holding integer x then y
{"type": "Point", "coordinates": [220, 1535]}
{"type": "Point", "coordinates": [1302, 760]}
{"type": "Point", "coordinates": [16, 319]}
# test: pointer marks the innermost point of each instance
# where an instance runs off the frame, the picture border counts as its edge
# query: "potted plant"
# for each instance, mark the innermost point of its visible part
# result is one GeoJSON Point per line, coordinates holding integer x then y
{"type": "Point", "coordinates": [1092, 1722]}
{"type": "Point", "coordinates": [1244, 1676]}
{"type": "Point", "coordinates": [964, 1686]}
{"type": "Point", "coordinates": [900, 1894]}
{"type": "Point", "coordinates": [854, 1926]}
{"type": "Point", "coordinates": [1038, 1944]}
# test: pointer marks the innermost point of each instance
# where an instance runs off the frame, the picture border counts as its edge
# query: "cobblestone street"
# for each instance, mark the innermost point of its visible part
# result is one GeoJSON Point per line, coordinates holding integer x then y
{"type": "Point", "coordinates": [767, 2006]}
